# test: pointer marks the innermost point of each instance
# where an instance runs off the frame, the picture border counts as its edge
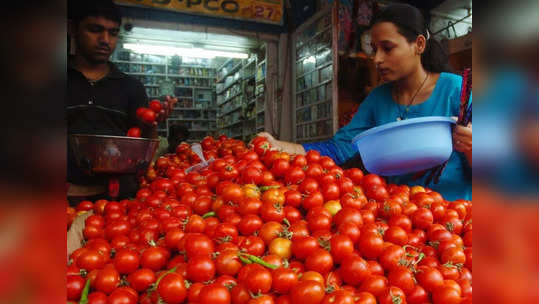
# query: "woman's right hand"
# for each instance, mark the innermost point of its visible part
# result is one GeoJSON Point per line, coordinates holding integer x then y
{"type": "Point", "coordinates": [273, 142]}
{"type": "Point", "coordinates": [283, 146]}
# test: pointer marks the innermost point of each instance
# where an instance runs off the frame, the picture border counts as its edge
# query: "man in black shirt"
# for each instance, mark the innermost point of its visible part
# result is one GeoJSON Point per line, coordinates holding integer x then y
{"type": "Point", "coordinates": [101, 99]}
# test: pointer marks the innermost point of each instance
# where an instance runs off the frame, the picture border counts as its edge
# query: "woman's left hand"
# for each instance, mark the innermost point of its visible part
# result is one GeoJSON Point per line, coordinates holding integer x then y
{"type": "Point", "coordinates": [462, 138]}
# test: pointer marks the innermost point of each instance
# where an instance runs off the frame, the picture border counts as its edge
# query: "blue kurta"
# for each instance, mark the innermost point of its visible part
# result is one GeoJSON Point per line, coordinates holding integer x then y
{"type": "Point", "coordinates": [379, 108]}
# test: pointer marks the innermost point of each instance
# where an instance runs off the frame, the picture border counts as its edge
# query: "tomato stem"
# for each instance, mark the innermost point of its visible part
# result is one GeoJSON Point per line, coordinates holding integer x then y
{"type": "Point", "coordinates": [258, 260]}
{"type": "Point", "coordinates": [85, 291]}
{"type": "Point", "coordinates": [209, 214]}
{"type": "Point", "coordinates": [244, 260]}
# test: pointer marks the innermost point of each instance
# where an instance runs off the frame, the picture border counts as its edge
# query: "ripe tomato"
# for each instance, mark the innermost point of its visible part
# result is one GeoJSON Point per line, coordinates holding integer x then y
{"type": "Point", "coordinates": [392, 295]}
{"type": "Point", "coordinates": [239, 294]}
{"type": "Point", "coordinates": [303, 246]}
{"type": "Point", "coordinates": [354, 270]}
{"type": "Point", "coordinates": [253, 245]}
{"type": "Point", "coordinates": [228, 263]}
{"type": "Point", "coordinates": [429, 278]}
{"type": "Point", "coordinates": [341, 296]}
{"type": "Point", "coordinates": [418, 295]}
{"type": "Point", "coordinates": [295, 175]}
{"type": "Point", "coordinates": [349, 215]}
{"type": "Point", "coordinates": [313, 156]}
{"type": "Point", "coordinates": [214, 294]}
{"type": "Point", "coordinates": [309, 185]}
{"type": "Point", "coordinates": [391, 256]}
{"type": "Point", "coordinates": [146, 115]}
{"type": "Point", "coordinates": [107, 279]}
{"type": "Point", "coordinates": [371, 245]}
{"type": "Point", "coordinates": [374, 284]}
{"type": "Point", "coordinates": [154, 258]}
{"type": "Point", "coordinates": [197, 244]}
{"type": "Point", "coordinates": [396, 235]}
{"type": "Point", "coordinates": [75, 284]}
{"type": "Point", "coordinates": [331, 191]}
{"type": "Point", "coordinates": [283, 279]}
{"type": "Point", "coordinates": [97, 297]}
{"type": "Point", "coordinates": [446, 294]}
{"type": "Point", "coordinates": [403, 278]}
{"type": "Point", "coordinates": [141, 279]}
{"type": "Point", "coordinates": [249, 224]}
{"type": "Point", "coordinates": [258, 280]}
{"type": "Point", "coordinates": [126, 261]}
{"type": "Point", "coordinates": [200, 268]}
{"type": "Point", "coordinates": [307, 292]}
{"type": "Point", "coordinates": [122, 296]}
{"type": "Point", "coordinates": [269, 231]}
{"type": "Point", "coordinates": [351, 230]}
{"type": "Point", "coordinates": [281, 247]}
{"type": "Point", "coordinates": [365, 298]}
{"type": "Point", "coordinates": [422, 218]}
{"type": "Point", "coordinates": [320, 261]}
{"type": "Point", "coordinates": [341, 246]}
{"type": "Point", "coordinates": [172, 288]}
{"type": "Point", "coordinates": [90, 259]}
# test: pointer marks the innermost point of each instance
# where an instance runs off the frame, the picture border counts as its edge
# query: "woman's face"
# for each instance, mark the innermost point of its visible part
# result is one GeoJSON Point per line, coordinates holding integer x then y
{"type": "Point", "coordinates": [394, 56]}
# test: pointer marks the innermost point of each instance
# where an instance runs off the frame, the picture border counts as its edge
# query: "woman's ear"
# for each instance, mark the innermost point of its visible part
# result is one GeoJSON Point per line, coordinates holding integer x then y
{"type": "Point", "coordinates": [421, 44]}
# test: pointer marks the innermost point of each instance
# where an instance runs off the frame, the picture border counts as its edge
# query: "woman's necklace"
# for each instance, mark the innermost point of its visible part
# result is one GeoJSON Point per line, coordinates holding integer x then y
{"type": "Point", "coordinates": [407, 108]}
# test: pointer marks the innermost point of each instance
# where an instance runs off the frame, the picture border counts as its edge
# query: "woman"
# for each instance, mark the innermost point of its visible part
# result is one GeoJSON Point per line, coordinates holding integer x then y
{"type": "Point", "coordinates": [414, 68]}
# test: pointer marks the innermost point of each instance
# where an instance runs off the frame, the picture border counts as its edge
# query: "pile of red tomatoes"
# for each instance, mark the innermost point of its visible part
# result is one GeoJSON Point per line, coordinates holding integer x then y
{"type": "Point", "coordinates": [262, 226]}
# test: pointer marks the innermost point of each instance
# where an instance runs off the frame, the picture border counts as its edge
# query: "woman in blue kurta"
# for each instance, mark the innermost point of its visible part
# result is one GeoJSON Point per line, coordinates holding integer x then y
{"type": "Point", "coordinates": [414, 69]}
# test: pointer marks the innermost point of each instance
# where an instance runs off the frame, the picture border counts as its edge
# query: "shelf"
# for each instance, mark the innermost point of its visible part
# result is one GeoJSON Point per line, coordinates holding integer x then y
{"type": "Point", "coordinates": [225, 63]}
{"type": "Point", "coordinates": [188, 76]}
{"type": "Point", "coordinates": [261, 79]}
{"type": "Point", "coordinates": [184, 97]}
{"type": "Point", "coordinates": [314, 86]}
{"type": "Point", "coordinates": [194, 87]}
{"type": "Point", "coordinates": [312, 104]}
{"type": "Point", "coordinates": [194, 109]}
{"type": "Point", "coordinates": [325, 65]}
{"type": "Point", "coordinates": [313, 121]}
{"type": "Point", "coordinates": [229, 111]}
{"type": "Point", "coordinates": [249, 63]}
{"type": "Point", "coordinates": [136, 62]}
{"type": "Point", "coordinates": [232, 71]}
{"type": "Point", "coordinates": [151, 85]}
{"type": "Point", "coordinates": [189, 119]}
{"type": "Point", "coordinates": [314, 36]}
{"type": "Point", "coordinates": [229, 98]}
{"type": "Point", "coordinates": [260, 112]}
{"type": "Point", "coordinates": [150, 63]}
{"type": "Point", "coordinates": [201, 130]}
{"type": "Point", "coordinates": [260, 128]}
{"type": "Point", "coordinates": [230, 125]}
{"type": "Point", "coordinates": [228, 86]}
{"type": "Point", "coordinates": [261, 62]}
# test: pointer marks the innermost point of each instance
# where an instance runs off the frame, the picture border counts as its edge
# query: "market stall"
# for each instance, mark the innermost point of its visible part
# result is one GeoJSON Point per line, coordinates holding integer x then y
{"type": "Point", "coordinates": [233, 217]}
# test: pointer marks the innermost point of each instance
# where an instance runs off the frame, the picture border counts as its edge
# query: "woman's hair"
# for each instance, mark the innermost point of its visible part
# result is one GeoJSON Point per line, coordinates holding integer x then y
{"type": "Point", "coordinates": [411, 23]}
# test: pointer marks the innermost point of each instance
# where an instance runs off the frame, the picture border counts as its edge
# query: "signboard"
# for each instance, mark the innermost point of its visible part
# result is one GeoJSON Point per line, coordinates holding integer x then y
{"type": "Point", "coordinates": [266, 11]}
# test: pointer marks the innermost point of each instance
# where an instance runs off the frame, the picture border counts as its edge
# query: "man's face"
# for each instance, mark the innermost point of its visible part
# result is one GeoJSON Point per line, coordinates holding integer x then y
{"type": "Point", "coordinates": [96, 38]}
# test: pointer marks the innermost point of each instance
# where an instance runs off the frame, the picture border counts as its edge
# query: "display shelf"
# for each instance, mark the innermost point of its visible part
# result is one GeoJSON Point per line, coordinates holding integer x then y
{"type": "Point", "coordinates": [230, 111]}
{"type": "Point", "coordinates": [232, 71]}
{"type": "Point", "coordinates": [229, 86]}
{"type": "Point", "coordinates": [314, 81]}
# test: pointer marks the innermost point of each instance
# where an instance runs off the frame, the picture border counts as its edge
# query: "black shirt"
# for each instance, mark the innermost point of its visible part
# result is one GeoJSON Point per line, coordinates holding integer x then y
{"type": "Point", "coordinates": [105, 107]}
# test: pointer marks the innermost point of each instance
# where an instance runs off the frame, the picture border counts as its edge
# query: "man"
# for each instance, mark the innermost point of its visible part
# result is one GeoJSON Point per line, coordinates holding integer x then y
{"type": "Point", "coordinates": [101, 99]}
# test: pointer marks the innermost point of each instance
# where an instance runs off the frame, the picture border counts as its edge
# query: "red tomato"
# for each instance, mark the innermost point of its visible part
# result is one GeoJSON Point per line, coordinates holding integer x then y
{"type": "Point", "coordinates": [156, 105]}
{"type": "Point", "coordinates": [200, 268]}
{"type": "Point", "coordinates": [141, 279]}
{"type": "Point", "coordinates": [320, 261]}
{"type": "Point", "coordinates": [172, 288]}
{"type": "Point", "coordinates": [146, 115]}
{"type": "Point", "coordinates": [75, 284]}
{"type": "Point", "coordinates": [354, 270]}
{"type": "Point", "coordinates": [307, 292]}
{"type": "Point", "coordinates": [392, 295]}
{"type": "Point", "coordinates": [214, 294]}
{"type": "Point", "coordinates": [374, 284]}
{"type": "Point", "coordinates": [126, 261]}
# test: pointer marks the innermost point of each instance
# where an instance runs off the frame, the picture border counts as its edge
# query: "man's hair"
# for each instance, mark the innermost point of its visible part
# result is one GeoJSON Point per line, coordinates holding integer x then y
{"type": "Point", "coordinates": [80, 9]}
